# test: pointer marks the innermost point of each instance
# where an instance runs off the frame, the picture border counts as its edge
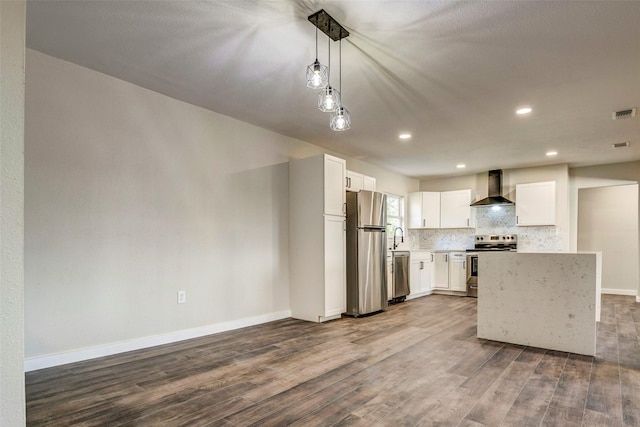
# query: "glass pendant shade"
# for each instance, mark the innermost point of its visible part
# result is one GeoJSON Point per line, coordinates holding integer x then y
{"type": "Point", "coordinates": [328, 100]}
{"type": "Point", "coordinates": [317, 75]}
{"type": "Point", "coordinates": [340, 119]}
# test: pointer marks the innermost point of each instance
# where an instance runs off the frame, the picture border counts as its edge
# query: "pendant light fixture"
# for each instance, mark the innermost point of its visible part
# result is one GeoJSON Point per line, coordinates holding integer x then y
{"type": "Point", "coordinates": [340, 118]}
{"type": "Point", "coordinates": [317, 74]}
{"type": "Point", "coordinates": [329, 98]}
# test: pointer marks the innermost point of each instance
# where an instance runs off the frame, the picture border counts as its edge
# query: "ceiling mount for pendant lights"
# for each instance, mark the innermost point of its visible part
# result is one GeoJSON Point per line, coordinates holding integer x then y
{"type": "Point", "coordinates": [329, 99]}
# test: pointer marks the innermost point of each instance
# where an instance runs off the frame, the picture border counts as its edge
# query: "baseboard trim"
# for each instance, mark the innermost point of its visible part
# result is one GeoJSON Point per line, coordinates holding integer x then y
{"type": "Point", "coordinates": [41, 362]}
{"type": "Point", "coordinates": [418, 295]}
{"type": "Point", "coordinates": [628, 292]}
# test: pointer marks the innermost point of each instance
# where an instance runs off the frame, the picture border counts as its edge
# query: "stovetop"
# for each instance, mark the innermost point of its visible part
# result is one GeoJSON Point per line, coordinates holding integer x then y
{"type": "Point", "coordinates": [495, 242]}
{"type": "Point", "coordinates": [504, 249]}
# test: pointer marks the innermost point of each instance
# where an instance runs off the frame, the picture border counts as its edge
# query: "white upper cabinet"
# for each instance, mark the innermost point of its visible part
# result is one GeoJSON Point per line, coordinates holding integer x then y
{"type": "Point", "coordinates": [424, 210]}
{"type": "Point", "coordinates": [369, 183]}
{"type": "Point", "coordinates": [536, 203]}
{"type": "Point", "coordinates": [448, 209]}
{"type": "Point", "coordinates": [356, 181]}
{"type": "Point", "coordinates": [455, 209]}
{"type": "Point", "coordinates": [334, 178]}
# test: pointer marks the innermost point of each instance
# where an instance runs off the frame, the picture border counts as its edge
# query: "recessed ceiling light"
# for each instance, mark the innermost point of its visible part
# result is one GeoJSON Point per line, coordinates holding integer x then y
{"type": "Point", "coordinates": [461, 166]}
{"type": "Point", "coordinates": [552, 153]}
{"type": "Point", "coordinates": [524, 110]}
{"type": "Point", "coordinates": [404, 136]}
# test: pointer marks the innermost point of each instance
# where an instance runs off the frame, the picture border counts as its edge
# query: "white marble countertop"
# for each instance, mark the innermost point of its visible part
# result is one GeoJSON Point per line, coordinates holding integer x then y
{"type": "Point", "coordinates": [546, 300]}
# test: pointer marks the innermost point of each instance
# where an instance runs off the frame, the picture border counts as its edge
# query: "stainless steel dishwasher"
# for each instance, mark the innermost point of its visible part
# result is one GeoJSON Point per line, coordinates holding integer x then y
{"type": "Point", "coordinates": [401, 285]}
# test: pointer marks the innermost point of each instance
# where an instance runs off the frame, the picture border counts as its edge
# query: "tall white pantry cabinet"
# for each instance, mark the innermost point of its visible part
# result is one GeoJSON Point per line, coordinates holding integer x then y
{"type": "Point", "coordinates": [317, 288]}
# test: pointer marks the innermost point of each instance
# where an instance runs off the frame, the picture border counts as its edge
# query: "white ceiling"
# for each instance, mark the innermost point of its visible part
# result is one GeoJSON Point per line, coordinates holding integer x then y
{"type": "Point", "coordinates": [450, 72]}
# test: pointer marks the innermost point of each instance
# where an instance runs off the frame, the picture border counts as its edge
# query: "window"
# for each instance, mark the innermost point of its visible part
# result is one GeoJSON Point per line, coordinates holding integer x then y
{"type": "Point", "coordinates": [395, 213]}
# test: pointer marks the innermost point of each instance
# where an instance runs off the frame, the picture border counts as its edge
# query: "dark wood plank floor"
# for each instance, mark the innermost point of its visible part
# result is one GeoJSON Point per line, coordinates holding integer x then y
{"type": "Point", "coordinates": [418, 364]}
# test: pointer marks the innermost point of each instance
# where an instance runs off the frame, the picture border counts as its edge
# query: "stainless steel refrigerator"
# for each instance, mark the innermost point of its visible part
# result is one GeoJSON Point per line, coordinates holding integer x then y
{"type": "Point", "coordinates": [366, 252]}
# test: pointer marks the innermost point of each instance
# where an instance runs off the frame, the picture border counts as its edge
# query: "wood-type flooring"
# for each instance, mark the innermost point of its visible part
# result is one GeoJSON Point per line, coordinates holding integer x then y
{"type": "Point", "coordinates": [417, 364]}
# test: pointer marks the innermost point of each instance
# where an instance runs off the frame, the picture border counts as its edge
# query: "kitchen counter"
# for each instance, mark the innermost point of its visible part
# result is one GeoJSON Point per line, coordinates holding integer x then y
{"type": "Point", "coordinates": [546, 300]}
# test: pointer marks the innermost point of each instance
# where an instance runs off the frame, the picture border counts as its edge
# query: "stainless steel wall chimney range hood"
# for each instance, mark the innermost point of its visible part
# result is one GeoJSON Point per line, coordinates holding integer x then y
{"type": "Point", "coordinates": [495, 191]}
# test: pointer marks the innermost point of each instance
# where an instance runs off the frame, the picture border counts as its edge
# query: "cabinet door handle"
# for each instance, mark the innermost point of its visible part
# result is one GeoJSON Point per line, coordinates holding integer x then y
{"type": "Point", "coordinates": [431, 257]}
{"type": "Point", "coordinates": [424, 222]}
{"type": "Point", "coordinates": [468, 222]}
{"type": "Point", "coordinates": [517, 219]}
{"type": "Point", "coordinates": [344, 208]}
{"type": "Point", "coordinates": [421, 265]}
{"type": "Point", "coordinates": [464, 265]}
{"type": "Point", "coordinates": [346, 181]}
{"type": "Point", "coordinates": [446, 257]}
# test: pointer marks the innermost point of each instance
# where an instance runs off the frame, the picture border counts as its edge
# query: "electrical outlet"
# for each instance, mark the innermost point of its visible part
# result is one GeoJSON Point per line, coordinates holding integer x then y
{"type": "Point", "coordinates": [182, 297]}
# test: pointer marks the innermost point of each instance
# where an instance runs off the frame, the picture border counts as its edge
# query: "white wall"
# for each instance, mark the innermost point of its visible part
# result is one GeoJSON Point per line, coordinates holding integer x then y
{"type": "Point", "coordinates": [600, 176]}
{"type": "Point", "coordinates": [12, 69]}
{"type": "Point", "coordinates": [608, 223]}
{"type": "Point", "coordinates": [132, 196]}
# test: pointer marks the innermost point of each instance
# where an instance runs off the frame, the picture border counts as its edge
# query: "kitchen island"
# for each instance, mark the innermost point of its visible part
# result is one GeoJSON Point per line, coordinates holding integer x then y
{"type": "Point", "coordinates": [546, 300]}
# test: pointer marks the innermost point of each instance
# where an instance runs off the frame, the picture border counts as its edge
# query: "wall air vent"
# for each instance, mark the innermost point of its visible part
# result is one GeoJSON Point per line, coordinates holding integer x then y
{"type": "Point", "coordinates": [623, 114]}
{"type": "Point", "coordinates": [620, 144]}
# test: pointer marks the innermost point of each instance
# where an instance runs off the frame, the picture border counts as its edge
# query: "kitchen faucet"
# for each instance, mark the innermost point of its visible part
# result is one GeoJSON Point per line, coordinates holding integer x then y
{"type": "Point", "coordinates": [401, 237]}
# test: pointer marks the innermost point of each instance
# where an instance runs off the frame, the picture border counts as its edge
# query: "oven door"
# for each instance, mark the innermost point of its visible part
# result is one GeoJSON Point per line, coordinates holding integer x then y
{"type": "Point", "coordinates": [472, 275]}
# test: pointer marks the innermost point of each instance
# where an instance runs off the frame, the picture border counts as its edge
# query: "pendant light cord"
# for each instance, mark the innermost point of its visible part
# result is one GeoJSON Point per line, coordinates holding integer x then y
{"type": "Point", "coordinates": [316, 39]}
{"type": "Point", "coordinates": [329, 68]}
{"type": "Point", "coordinates": [340, 70]}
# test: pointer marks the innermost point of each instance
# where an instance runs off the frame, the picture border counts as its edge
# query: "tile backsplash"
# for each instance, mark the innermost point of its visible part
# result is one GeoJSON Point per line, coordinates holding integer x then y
{"type": "Point", "coordinates": [490, 220]}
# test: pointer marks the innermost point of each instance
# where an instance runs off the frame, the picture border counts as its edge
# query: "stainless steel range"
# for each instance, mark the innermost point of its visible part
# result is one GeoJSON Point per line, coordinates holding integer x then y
{"type": "Point", "coordinates": [486, 243]}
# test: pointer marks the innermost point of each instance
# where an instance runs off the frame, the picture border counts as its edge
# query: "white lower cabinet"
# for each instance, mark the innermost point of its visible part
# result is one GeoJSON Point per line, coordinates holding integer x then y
{"type": "Point", "coordinates": [318, 290]}
{"type": "Point", "coordinates": [420, 273]}
{"type": "Point", "coordinates": [441, 270]}
{"type": "Point", "coordinates": [335, 296]}
{"type": "Point", "coordinates": [458, 271]}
